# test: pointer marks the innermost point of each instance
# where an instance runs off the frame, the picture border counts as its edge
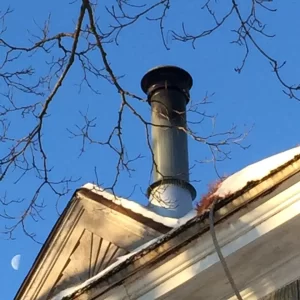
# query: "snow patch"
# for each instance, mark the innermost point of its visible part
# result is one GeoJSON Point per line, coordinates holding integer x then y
{"type": "Point", "coordinates": [139, 209]}
{"type": "Point", "coordinates": [65, 293]}
{"type": "Point", "coordinates": [254, 172]}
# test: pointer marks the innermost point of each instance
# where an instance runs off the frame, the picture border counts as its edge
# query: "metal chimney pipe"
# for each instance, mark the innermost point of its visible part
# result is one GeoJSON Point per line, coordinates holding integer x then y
{"type": "Point", "coordinates": [167, 88]}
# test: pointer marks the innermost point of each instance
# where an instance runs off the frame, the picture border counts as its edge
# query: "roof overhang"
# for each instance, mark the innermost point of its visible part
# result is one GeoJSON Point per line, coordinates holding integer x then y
{"type": "Point", "coordinates": [257, 231]}
{"type": "Point", "coordinates": [261, 248]}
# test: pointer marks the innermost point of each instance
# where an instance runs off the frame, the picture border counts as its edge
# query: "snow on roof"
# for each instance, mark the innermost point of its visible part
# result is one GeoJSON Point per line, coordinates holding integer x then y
{"type": "Point", "coordinates": [231, 185]}
{"type": "Point", "coordinates": [139, 209]}
{"type": "Point", "coordinates": [254, 172]}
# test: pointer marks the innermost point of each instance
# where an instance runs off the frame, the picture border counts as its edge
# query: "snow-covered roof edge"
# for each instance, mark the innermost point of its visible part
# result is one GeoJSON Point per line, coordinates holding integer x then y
{"type": "Point", "coordinates": [139, 209]}
{"type": "Point", "coordinates": [255, 172]}
{"type": "Point", "coordinates": [271, 163]}
{"type": "Point", "coordinates": [229, 186]}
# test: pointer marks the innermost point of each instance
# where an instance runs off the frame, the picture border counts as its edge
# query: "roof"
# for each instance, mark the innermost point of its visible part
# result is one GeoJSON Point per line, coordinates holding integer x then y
{"type": "Point", "coordinates": [255, 172]}
{"type": "Point", "coordinates": [140, 209]}
{"type": "Point", "coordinates": [234, 186]}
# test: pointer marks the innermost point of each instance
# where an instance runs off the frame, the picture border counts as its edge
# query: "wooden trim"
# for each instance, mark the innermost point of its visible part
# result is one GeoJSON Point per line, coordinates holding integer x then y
{"type": "Point", "coordinates": [288, 292]}
{"type": "Point", "coordinates": [146, 221]}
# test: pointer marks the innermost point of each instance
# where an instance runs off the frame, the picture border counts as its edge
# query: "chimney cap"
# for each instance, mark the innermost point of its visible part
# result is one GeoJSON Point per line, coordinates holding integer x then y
{"type": "Point", "coordinates": [170, 75]}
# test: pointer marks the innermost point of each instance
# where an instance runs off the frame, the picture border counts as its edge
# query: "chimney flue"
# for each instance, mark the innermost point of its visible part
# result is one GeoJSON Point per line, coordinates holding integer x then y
{"type": "Point", "coordinates": [167, 88]}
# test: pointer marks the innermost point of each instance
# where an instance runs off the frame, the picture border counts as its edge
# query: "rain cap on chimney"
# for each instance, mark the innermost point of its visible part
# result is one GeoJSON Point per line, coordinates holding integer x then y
{"type": "Point", "coordinates": [167, 88]}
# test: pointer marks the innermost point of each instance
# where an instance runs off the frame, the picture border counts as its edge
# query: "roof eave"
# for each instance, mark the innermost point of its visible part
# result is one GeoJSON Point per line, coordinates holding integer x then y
{"type": "Point", "coordinates": [186, 234]}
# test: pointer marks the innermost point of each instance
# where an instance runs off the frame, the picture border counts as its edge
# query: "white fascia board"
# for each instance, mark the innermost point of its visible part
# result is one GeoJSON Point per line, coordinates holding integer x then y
{"type": "Point", "coordinates": [233, 235]}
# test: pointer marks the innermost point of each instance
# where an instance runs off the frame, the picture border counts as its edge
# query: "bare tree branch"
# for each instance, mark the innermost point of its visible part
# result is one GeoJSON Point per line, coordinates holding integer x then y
{"type": "Point", "coordinates": [87, 49]}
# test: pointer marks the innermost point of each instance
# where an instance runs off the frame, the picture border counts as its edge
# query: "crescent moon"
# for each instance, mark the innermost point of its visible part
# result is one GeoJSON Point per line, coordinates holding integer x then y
{"type": "Point", "coordinates": [15, 262]}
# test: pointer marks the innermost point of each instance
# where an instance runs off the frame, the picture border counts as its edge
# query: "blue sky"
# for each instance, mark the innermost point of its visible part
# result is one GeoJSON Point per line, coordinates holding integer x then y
{"type": "Point", "coordinates": [253, 98]}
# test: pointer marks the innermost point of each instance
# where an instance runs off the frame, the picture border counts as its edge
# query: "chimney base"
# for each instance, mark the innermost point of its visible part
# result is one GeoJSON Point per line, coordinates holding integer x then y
{"type": "Point", "coordinates": [171, 200]}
